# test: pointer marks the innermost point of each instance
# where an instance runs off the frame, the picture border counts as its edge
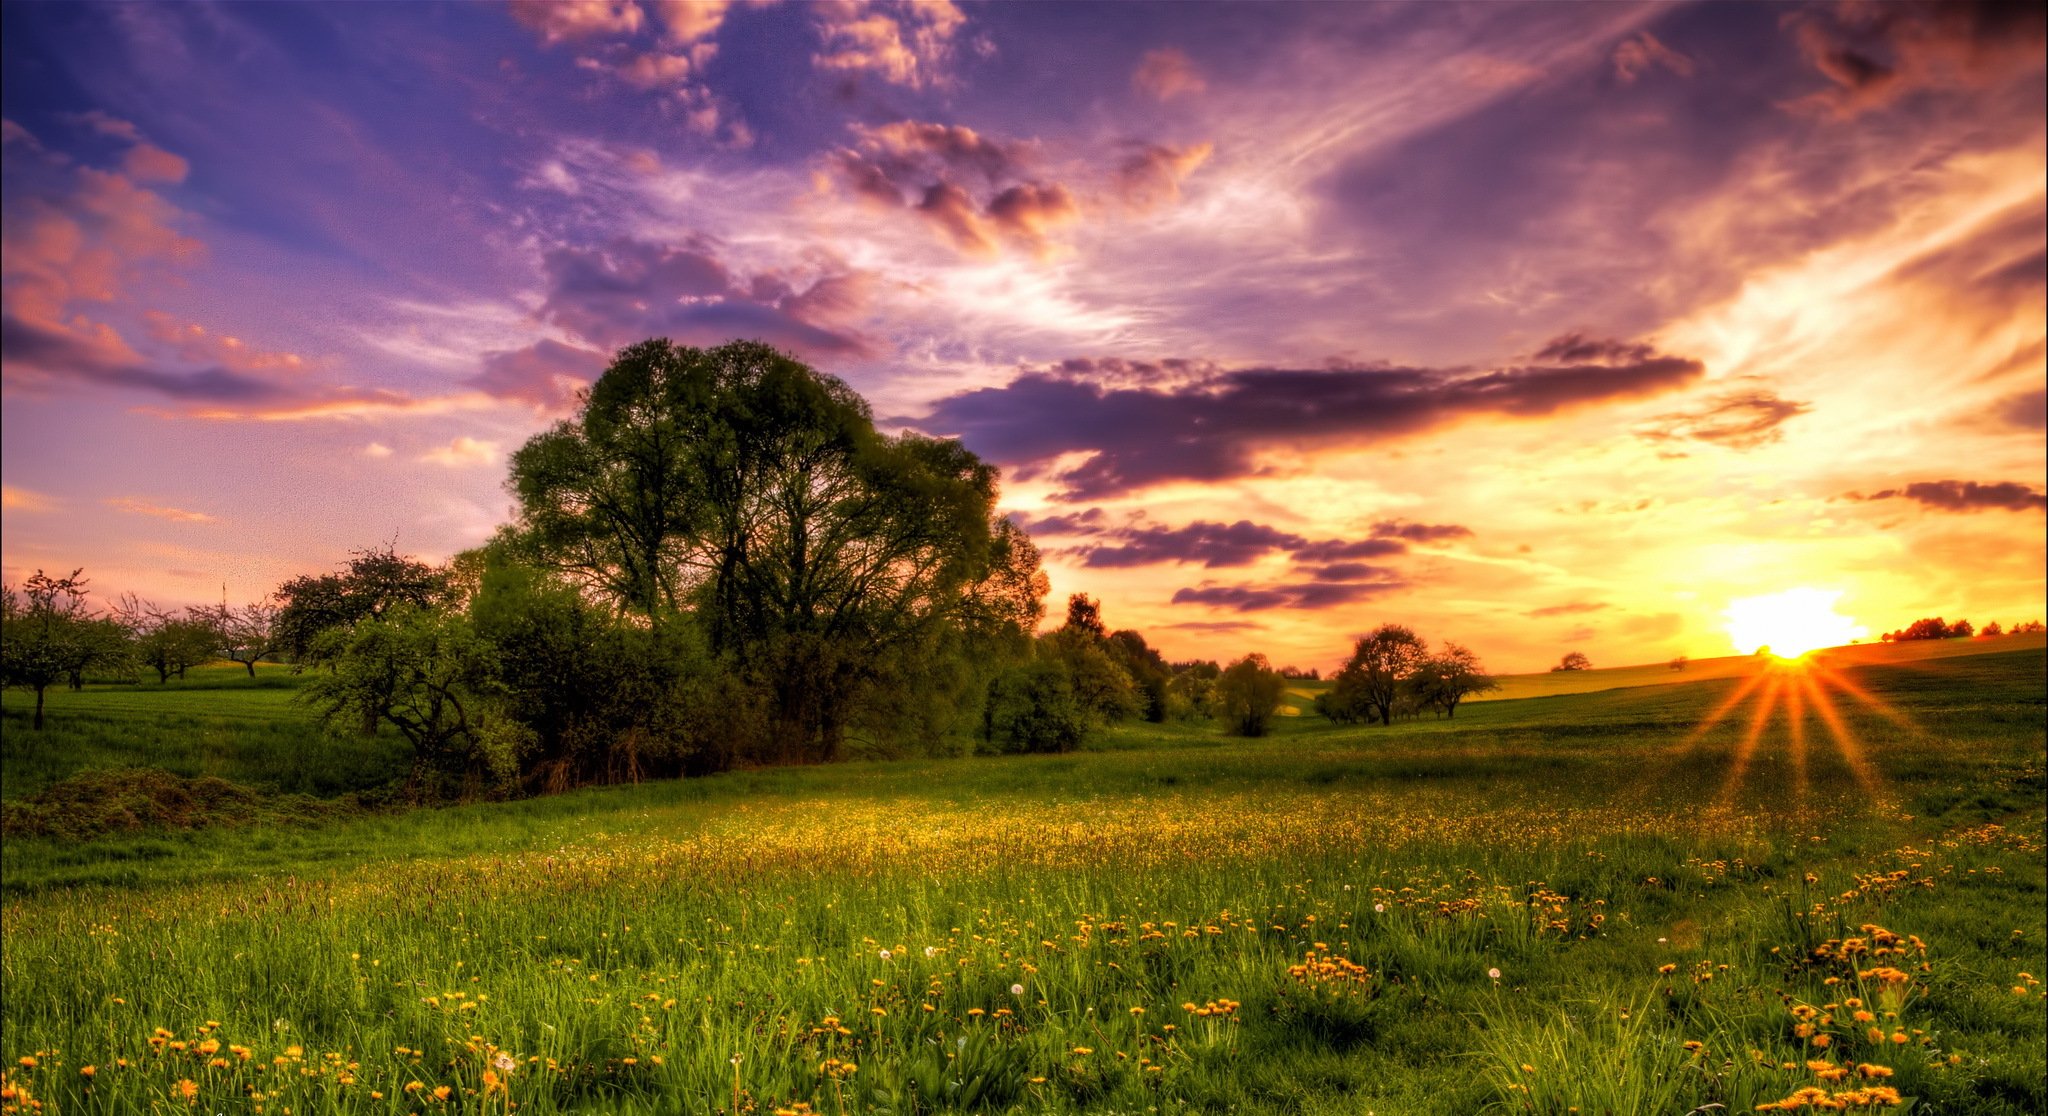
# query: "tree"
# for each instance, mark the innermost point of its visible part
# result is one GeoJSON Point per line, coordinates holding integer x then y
{"type": "Point", "coordinates": [1992, 629]}
{"type": "Point", "coordinates": [373, 583]}
{"type": "Point", "coordinates": [427, 674]}
{"type": "Point", "coordinates": [1573, 660]}
{"type": "Point", "coordinates": [1961, 629]}
{"type": "Point", "coordinates": [1248, 694]}
{"type": "Point", "coordinates": [1032, 708]}
{"type": "Point", "coordinates": [1147, 670]}
{"type": "Point", "coordinates": [167, 642]}
{"type": "Point", "coordinates": [1380, 668]}
{"type": "Point", "coordinates": [48, 634]}
{"type": "Point", "coordinates": [244, 634]}
{"type": "Point", "coordinates": [741, 489]}
{"type": "Point", "coordinates": [1084, 615]}
{"type": "Point", "coordinates": [1450, 676]}
{"type": "Point", "coordinates": [1191, 691]}
{"type": "Point", "coordinates": [2027, 627]}
{"type": "Point", "coordinates": [1679, 662]}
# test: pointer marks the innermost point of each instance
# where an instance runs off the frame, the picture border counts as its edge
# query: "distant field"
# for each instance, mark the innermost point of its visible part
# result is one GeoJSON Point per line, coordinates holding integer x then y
{"type": "Point", "coordinates": [1737, 666]}
{"type": "Point", "coordinates": [217, 721]}
{"type": "Point", "coordinates": [1591, 902]}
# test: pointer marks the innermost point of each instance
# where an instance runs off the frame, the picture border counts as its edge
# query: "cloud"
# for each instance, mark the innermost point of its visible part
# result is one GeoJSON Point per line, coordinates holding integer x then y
{"type": "Point", "coordinates": [626, 290]}
{"type": "Point", "coordinates": [463, 452]}
{"type": "Point", "coordinates": [1876, 53]}
{"type": "Point", "coordinates": [1572, 609]}
{"type": "Point", "coordinates": [193, 342]}
{"type": "Point", "coordinates": [149, 163]}
{"type": "Point", "coordinates": [1028, 211]}
{"type": "Point", "coordinates": [1212, 428]}
{"type": "Point", "coordinates": [546, 374]}
{"type": "Point", "coordinates": [936, 171]}
{"type": "Point", "coordinates": [132, 506]}
{"type": "Point", "coordinates": [376, 451]}
{"type": "Point", "coordinates": [1337, 550]}
{"type": "Point", "coordinates": [1167, 73]}
{"type": "Point", "coordinates": [1965, 496]}
{"type": "Point", "coordinates": [24, 500]}
{"type": "Point", "coordinates": [1419, 532]}
{"type": "Point", "coordinates": [1641, 53]}
{"type": "Point", "coordinates": [1739, 420]}
{"type": "Point", "coordinates": [1151, 177]}
{"type": "Point", "coordinates": [1259, 598]}
{"type": "Point", "coordinates": [1211, 544]}
{"type": "Point", "coordinates": [905, 43]}
{"type": "Point", "coordinates": [561, 20]}
{"type": "Point", "coordinates": [690, 21]}
{"type": "Point", "coordinates": [2028, 410]}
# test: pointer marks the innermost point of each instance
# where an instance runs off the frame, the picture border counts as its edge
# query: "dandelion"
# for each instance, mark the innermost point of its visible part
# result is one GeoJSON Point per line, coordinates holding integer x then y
{"type": "Point", "coordinates": [1494, 973]}
{"type": "Point", "coordinates": [1016, 990]}
{"type": "Point", "coordinates": [931, 952]}
{"type": "Point", "coordinates": [505, 1062]}
{"type": "Point", "coordinates": [1379, 908]}
{"type": "Point", "coordinates": [885, 955]}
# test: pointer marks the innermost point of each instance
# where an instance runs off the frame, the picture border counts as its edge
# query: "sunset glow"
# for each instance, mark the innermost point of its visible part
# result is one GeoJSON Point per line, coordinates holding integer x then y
{"type": "Point", "coordinates": [1791, 623]}
{"type": "Point", "coordinates": [1538, 327]}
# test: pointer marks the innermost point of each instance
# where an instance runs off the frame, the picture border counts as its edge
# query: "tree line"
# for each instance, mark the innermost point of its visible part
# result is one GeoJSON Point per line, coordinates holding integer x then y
{"type": "Point", "coordinates": [718, 560]}
{"type": "Point", "coordinates": [1934, 627]}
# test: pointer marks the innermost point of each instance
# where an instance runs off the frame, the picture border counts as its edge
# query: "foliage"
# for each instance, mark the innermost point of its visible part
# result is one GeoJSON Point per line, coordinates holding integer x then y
{"type": "Point", "coordinates": [169, 643]}
{"type": "Point", "coordinates": [428, 675]}
{"type": "Point", "coordinates": [740, 489]}
{"type": "Point", "coordinates": [374, 582]}
{"type": "Point", "coordinates": [1248, 695]}
{"type": "Point", "coordinates": [1573, 660]}
{"type": "Point", "coordinates": [49, 634]}
{"type": "Point", "coordinates": [1448, 677]}
{"type": "Point", "coordinates": [1379, 675]}
{"type": "Point", "coordinates": [1032, 707]}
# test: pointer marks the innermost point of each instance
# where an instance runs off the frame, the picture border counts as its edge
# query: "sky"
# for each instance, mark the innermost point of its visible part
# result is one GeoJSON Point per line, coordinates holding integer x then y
{"type": "Point", "coordinates": [1536, 327]}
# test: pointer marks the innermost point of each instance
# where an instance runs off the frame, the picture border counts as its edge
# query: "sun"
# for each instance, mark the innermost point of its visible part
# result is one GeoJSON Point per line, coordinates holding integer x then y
{"type": "Point", "coordinates": [1791, 623]}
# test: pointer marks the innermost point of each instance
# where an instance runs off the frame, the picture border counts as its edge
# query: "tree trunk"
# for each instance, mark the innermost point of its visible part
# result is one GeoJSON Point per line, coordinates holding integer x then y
{"type": "Point", "coordinates": [39, 709]}
{"type": "Point", "coordinates": [251, 664]}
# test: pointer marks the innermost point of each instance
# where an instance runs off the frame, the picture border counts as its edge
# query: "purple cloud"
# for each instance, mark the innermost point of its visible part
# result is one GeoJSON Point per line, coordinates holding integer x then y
{"type": "Point", "coordinates": [1210, 429]}
{"type": "Point", "coordinates": [1965, 496]}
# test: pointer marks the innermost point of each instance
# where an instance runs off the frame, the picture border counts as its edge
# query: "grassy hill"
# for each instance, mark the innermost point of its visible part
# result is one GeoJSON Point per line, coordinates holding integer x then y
{"type": "Point", "coordinates": [1535, 907]}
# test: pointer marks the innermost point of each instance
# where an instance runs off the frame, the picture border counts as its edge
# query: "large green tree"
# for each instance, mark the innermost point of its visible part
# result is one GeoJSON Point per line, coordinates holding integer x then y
{"type": "Point", "coordinates": [740, 491]}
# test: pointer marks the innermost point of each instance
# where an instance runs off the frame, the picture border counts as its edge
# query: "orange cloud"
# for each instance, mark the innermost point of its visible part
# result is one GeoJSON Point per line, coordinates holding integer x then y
{"type": "Point", "coordinates": [561, 20]}
{"type": "Point", "coordinates": [464, 452]}
{"type": "Point", "coordinates": [133, 506]}
{"type": "Point", "coordinates": [1167, 73]}
{"type": "Point", "coordinates": [23, 500]}
{"type": "Point", "coordinates": [1151, 178]}
{"type": "Point", "coordinates": [904, 44]}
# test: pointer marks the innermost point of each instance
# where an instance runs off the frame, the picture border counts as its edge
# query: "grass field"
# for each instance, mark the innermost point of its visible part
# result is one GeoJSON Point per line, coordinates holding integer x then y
{"type": "Point", "coordinates": [1654, 899]}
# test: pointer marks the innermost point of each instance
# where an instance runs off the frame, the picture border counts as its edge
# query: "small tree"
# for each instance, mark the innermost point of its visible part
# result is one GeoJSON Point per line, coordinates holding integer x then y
{"type": "Point", "coordinates": [1992, 629]}
{"type": "Point", "coordinates": [1032, 708]}
{"type": "Point", "coordinates": [1449, 677]}
{"type": "Point", "coordinates": [1679, 662]}
{"type": "Point", "coordinates": [245, 634]}
{"type": "Point", "coordinates": [1961, 629]}
{"type": "Point", "coordinates": [48, 634]}
{"type": "Point", "coordinates": [1381, 668]}
{"type": "Point", "coordinates": [1248, 695]}
{"type": "Point", "coordinates": [426, 674]}
{"type": "Point", "coordinates": [166, 642]}
{"type": "Point", "coordinates": [1573, 660]}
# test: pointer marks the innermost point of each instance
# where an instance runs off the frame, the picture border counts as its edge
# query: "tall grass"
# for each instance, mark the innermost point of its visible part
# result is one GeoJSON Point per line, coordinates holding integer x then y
{"type": "Point", "coordinates": [1536, 908]}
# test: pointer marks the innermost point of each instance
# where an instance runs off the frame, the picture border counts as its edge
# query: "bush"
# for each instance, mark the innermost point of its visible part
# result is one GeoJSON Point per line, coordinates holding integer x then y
{"type": "Point", "coordinates": [1032, 708]}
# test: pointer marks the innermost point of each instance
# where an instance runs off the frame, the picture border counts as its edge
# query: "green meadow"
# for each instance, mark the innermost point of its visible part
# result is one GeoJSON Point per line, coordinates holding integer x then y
{"type": "Point", "coordinates": [1741, 887]}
